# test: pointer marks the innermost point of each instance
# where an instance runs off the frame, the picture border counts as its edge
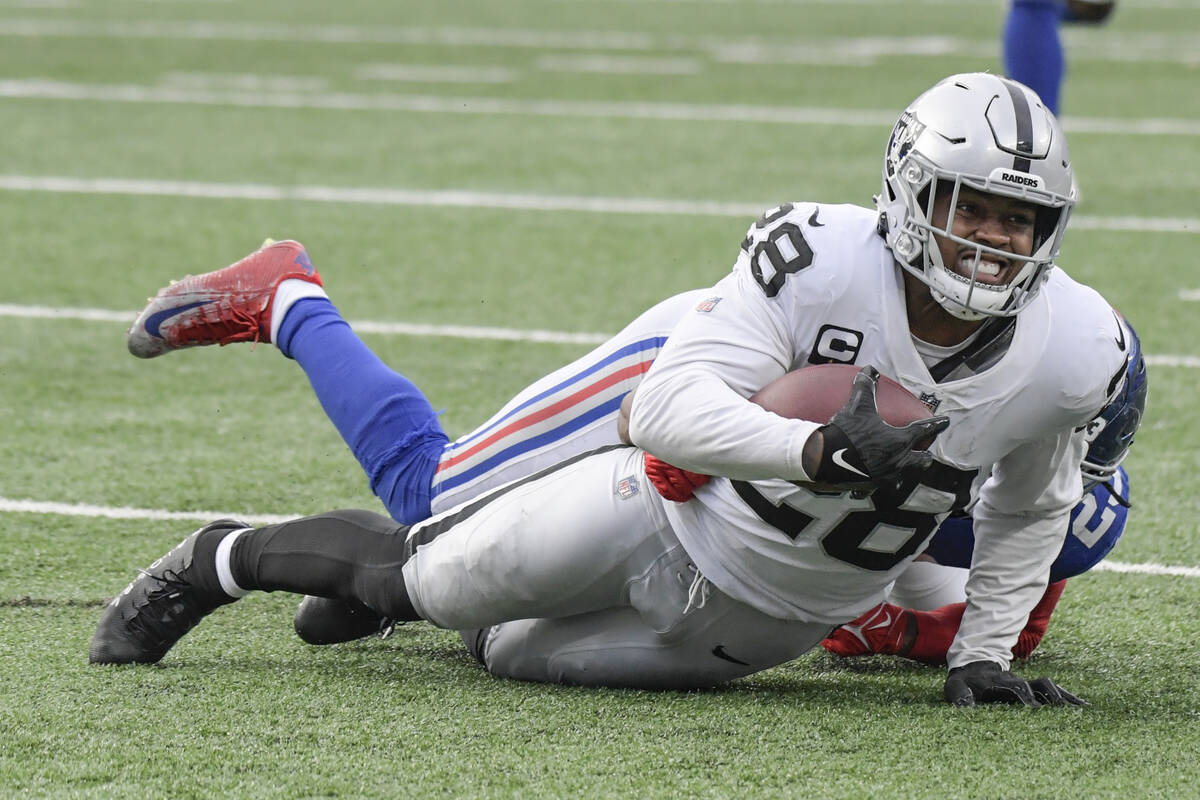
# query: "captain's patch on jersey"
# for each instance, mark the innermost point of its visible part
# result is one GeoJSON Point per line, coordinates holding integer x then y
{"type": "Point", "coordinates": [627, 487]}
{"type": "Point", "coordinates": [708, 305]}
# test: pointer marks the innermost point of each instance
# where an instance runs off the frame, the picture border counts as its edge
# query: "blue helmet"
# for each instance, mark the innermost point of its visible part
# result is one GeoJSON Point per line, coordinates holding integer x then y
{"type": "Point", "coordinates": [1110, 434]}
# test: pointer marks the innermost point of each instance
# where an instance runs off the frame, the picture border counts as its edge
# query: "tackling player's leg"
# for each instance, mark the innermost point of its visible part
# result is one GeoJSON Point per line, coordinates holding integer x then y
{"type": "Point", "coordinates": [352, 555]}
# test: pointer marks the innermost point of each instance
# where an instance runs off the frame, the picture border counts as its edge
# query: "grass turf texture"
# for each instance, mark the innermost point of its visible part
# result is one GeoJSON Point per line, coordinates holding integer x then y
{"type": "Point", "coordinates": [241, 707]}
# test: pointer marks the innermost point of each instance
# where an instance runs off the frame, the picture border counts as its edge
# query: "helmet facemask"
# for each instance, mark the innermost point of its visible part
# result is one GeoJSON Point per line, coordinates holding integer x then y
{"type": "Point", "coordinates": [950, 138]}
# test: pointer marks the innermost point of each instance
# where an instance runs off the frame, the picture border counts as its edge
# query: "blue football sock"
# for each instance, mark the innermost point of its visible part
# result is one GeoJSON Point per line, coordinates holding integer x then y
{"type": "Point", "coordinates": [1033, 52]}
{"type": "Point", "coordinates": [388, 423]}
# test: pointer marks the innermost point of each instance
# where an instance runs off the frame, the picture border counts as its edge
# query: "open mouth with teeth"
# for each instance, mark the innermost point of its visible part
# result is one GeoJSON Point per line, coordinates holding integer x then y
{"type": "Point", "coordinates": [992, 271]}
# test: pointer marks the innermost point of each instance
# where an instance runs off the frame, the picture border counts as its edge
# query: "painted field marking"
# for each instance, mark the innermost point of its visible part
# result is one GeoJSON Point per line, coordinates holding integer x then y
{"type": "Point", "coordinates": [1105, 44]}
{"type": "Point", "coordinates": [12, 506]}
{"type": "Point", "coordinates": [47, 89]}
{"type": "Point", "coordinates": [435, 73]}
{"type": "Point", "coordinates": [470, 199]}
{"type": "Point", "coordinates": [620, 65]}
{"type": "Point", "coordinates": [239, 81]}
{"type": "Point", "coordinates": [125, 318]}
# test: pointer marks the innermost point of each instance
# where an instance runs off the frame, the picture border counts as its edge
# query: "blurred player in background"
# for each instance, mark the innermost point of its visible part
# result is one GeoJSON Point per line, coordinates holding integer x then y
{"type": "Point", "coordinates": [1033, 50]}
{"type": "Point", "coordinates": [948, 286]}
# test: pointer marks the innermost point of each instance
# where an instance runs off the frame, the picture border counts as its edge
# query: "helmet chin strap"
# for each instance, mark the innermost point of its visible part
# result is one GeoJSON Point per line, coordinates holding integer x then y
{"type": "Point", "coordinates": [956, 309]}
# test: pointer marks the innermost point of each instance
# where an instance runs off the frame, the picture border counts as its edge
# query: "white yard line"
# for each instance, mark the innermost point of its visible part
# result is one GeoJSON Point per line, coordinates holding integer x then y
{"type": "Point", "coordinates": [620, 64]}
{"type": "Point", "coordinates": [420, 329]}
{"type": "Point", "coordinates": [1102, 44]}
{"type": "Point", "coordinates": [470, 199]}
{"type": "Point", "coordinates": [123, 512]}
{"type": "Point", "coordinates": [244, 81]}
{"type": "Point", "coordinates": [45, 89]}
{"type": "Point", "coordinates": [12, 506]}
{"type": "Point", "coordinates": [125, 318]}
{"type": "Point", "coordinates": [1147, 569]}
{"type": "Point", "coordinates": [1187, 362]}
{"type": "Point", "coordinates": [435, 73]}
{"type": "Point", "coordinates": [990, 4]}
{"type": "Point", "coordinates": [1189, 294]}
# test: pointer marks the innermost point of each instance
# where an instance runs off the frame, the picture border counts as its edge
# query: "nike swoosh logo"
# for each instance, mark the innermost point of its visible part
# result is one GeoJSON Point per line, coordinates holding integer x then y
{"type": "Point", "coordinates": [719, 652]}
{"type": "Point", "coordinates": [887, 620]}
{"type": "Point", "coordinates": [812, 221]}
{"type": "Point", "coordinates": [156, 320]}
{"type": "Point", "coordinates": [1120, 338]}
{"type": "Point", "coordinates": [839, 458]}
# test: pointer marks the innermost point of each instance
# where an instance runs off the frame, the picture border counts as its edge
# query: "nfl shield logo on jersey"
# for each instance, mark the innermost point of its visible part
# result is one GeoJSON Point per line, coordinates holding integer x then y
{"type": "Point", "coordinates": [708, 305]}
{"type": "Point", "coordinates": [930, 399]}
{"type": "Point", "coordinates": [627, 487]}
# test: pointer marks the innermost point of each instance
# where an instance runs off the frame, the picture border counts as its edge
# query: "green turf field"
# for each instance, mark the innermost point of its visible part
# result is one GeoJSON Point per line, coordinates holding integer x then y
{"type": "Point", "coordinates": [437, 157]}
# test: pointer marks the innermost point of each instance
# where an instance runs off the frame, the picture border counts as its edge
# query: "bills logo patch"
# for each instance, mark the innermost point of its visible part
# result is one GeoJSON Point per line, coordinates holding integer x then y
{"type": "Point", "coordinates": [706, 306]}
{"type": "Point", "coordinates": [627, 487]}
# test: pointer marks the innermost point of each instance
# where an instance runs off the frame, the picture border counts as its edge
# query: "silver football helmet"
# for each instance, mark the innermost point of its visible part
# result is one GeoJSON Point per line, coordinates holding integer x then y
{"type": "Point", "coordinates": [991, 134]}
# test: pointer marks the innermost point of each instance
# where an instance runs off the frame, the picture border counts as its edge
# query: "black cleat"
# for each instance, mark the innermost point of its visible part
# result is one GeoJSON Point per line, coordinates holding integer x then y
{"type": "Point", "coordinates": [166, 601]}
{"type": "Point", "coordinates": [321, 620]}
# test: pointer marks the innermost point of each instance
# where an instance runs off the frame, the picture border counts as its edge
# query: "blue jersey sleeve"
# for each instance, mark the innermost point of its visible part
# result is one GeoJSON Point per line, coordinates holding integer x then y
{"type": "Point", "coordinates": [1096, 525]}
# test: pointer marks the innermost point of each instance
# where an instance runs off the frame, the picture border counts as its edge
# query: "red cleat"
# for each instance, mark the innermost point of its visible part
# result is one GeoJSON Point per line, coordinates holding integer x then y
{"type": "Point", "coordinates": [230, 305]}
{"type": "Point", "coordinates": [884, 630]}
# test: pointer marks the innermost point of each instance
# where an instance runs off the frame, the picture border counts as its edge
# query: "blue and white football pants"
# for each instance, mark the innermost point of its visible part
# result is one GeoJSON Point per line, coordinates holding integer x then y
{"type": "Point", "coordinates": [394, 432]}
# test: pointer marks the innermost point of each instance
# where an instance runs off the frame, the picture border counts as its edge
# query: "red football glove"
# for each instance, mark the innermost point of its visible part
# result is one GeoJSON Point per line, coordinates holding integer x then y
{"type": "Point", "coordinates": [673, 483]}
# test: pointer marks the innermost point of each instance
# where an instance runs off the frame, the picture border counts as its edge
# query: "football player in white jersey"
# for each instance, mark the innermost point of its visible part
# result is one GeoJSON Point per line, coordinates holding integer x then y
{"type": "Point", "coordinates": [948, 287]}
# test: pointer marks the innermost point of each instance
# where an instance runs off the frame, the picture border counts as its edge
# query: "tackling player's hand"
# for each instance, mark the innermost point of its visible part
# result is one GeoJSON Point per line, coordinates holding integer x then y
{"type": "Point", "coordinates": [988, 682]}
{"type": "Point", "coordinates": [858, 447]}
{"type": "Point", "coordinates": [675, 484]}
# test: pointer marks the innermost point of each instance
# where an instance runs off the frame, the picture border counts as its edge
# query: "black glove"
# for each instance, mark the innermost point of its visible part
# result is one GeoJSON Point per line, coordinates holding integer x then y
{"type": "Point", "coordinates": [988, 682]}
{"type": "Point", "coordinates": [860, 448]}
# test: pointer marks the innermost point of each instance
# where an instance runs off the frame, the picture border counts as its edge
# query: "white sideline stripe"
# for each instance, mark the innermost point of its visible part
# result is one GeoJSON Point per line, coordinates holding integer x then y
{"type": "Point", "coordinates": [124, 512]}
{"type": "Point", "coordinates": [1174, 361]}
{"type": "Point", "coordinates": [363, 326]}
{"type": "Point", "coordinates": [620, 65]}
{"type": "Point", "coordinates": [1189, 294]}
{"type": "Point", "coordinates": [435, 73]}
{"type": "Point", "coordinates": [11, 506]}
{"type": "Point", "coordinates": [1138, 4]}
{"type": "Point", "coordinates": [1147, 569]}
{"type": "Point", "coordinates": [46, 89]}
{"type": "Point", "coordinates": [1105, 45]}
{"type": "Point", "coordinates": [245, 81]}
{"type": "Point", "coordinates": [420, 329]}
{"type": "Point", "coordinates": [467, 199]}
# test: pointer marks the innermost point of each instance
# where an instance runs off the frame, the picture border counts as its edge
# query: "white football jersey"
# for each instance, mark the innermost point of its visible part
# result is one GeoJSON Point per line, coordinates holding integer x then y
{"type": "Point", "coordinates": [816, 284]}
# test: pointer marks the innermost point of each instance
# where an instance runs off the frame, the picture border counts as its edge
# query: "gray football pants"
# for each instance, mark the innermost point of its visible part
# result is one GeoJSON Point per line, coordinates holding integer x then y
{"type": "Point", "coordinates": [576, 577]}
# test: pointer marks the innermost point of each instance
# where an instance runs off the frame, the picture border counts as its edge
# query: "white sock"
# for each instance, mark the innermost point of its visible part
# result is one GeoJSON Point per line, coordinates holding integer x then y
{"type": "Point", "coordinates": [925, 586]}
{"type": "Point", "coordinates": [286, 295]}
{"type": "Point", "coordinates": [224, 573]}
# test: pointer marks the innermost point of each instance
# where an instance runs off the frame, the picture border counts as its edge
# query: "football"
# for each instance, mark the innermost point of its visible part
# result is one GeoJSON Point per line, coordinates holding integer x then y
{"type": "Point", "coordinates": [817, 393]}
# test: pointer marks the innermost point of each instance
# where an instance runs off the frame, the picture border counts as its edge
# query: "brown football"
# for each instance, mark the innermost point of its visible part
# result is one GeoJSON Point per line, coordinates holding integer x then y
{"type": "Point", "coordinates": [817, 393]}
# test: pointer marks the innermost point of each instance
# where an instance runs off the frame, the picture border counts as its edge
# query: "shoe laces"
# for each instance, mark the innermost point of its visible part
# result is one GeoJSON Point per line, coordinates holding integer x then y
{"type": "Point", "coordinates": [226, 322]}
{"type": "Point", "coordinates": [170, 609]}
